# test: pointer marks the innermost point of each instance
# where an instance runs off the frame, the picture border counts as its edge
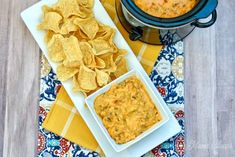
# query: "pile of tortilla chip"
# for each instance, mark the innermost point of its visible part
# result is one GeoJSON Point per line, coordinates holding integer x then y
{"type": "Point", "coordinates": [82, 46]}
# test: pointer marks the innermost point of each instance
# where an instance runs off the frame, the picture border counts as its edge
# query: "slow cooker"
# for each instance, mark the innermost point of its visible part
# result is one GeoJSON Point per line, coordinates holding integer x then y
{"type": "Point", "coordinates": [155, 30]}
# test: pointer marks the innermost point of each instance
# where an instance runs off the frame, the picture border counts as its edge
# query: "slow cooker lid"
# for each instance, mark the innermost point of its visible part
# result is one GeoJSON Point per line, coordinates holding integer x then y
{"type": "Point", "coordinates": [202, 10]}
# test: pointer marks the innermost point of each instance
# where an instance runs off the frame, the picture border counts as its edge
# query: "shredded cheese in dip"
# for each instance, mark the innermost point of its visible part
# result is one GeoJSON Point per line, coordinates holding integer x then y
{"type": "Point", "coordinates": [126, 110]}
{"type": "Point", "coordinates": [166, 8]}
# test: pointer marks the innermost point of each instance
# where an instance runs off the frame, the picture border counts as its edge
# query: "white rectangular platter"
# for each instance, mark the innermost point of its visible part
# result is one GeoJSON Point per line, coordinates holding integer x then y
{"type": "Point", "coordinates": [32, 17]}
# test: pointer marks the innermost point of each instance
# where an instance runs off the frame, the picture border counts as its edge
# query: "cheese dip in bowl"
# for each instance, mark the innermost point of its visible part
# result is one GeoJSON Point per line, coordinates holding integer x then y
{"type": "Point", "coordinates": [166, 8]}
{"type": "Point", "coordinates": [127, 110]}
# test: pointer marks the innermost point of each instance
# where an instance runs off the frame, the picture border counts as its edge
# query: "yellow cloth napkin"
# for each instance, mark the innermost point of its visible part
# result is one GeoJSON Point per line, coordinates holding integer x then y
{"type": "Point", "coordinates": [63, 118]}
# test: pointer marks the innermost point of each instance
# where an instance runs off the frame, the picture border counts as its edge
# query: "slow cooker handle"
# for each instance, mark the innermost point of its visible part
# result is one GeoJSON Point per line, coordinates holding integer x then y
{"type": "Point", "coordinates": [207, 24]}
{"type": "Point", "coordinates": [136, 33]}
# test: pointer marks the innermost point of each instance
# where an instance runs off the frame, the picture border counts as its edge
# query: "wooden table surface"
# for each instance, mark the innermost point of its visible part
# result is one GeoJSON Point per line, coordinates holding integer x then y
{"type": "Point", "coordinates": [209, 85]}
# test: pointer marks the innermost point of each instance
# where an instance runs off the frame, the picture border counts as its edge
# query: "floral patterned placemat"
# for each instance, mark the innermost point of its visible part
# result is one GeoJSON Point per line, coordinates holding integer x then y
{"type": "Point", "coordinates": [168, 77]}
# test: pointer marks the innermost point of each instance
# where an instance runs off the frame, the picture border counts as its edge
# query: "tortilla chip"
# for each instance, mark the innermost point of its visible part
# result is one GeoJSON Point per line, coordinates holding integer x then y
{"type": "Point", "coordinates": [55, 48]}
{"type": "Point", "coordinates": [101, 46]}
{"type": "Point", "coordinates": [88, 55]}
{"type": "Point", "coordinates": [102, 77]}
{"type": "Point", "coordinates": [51, 21]}
{"type": "Point", "coordinates": [86, 9]}
{"type": "Point", "coordinates": [99, 63]}
{"type": "Point", "coordinates": [121, 68]}
{"type": "Point", "coordinates": [46, 9]}
{"type": "Point", "coordinates": [76, 87]}
{"type": "Point", "coordinates": [72, 49]}
{"type": "Point", "coordinates": [80, 35]}
{"type": "Point", "coordinates": [112, 44]}
{"type": "Point", "coordinates": [68, 26]}
{"type": "Point", "coordinates": [72, 64]}
{"type": "Point", "coordinates": [119, 55]}
{"type": "Point", "coordinates": [110, 65]}
{"type": "Point", "coordinates": [48, 36]}
{"type": "Point", "coordinates": [112, 76]}
{"type": "Point", "coordinates": [65, 73]}
{"type": "Point", "coordinates": [87, 78]}
{"type": "Point", "coordinates": [89, 26]}
{"type": "Point", "coordinates": [86, 3]}
{"type": "Point", "coordinates": [105, 32]}
{"type": "Point", "coordinates": [68, 8]}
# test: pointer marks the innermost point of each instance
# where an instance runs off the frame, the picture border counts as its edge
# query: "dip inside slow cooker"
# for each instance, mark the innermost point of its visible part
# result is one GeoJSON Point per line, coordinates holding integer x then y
{"type": "Point", "coordinates": [166, 8]}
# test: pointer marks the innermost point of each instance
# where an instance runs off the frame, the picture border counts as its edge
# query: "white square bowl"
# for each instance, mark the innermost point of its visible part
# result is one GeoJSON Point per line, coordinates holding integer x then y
{"type": "Point", "coordinates": [90, 102]}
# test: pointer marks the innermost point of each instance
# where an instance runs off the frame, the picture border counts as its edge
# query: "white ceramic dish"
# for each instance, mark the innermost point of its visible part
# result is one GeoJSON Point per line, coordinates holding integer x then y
{"type": "Point", "coordinates": [32, 17]}
{"type": "Point", "coordinates": [90, 102]}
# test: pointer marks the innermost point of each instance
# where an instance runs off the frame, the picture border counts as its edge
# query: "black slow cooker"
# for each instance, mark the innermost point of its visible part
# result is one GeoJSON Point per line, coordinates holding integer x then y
{"type": "Point", "coordinates": [154, 30]}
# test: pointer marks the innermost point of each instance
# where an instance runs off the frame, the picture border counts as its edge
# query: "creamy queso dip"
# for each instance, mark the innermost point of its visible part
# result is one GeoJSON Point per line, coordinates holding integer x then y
{"type": "Point", "coordinates": [166, 8]}
{"type": "Point", "coordinates": [126, 110]}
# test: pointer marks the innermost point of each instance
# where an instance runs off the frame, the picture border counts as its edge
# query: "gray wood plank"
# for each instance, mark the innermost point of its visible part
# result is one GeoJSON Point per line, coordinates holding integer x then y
{"type": "Point", "coordinates": [225, 50]}
{"type": "Point", "coordinates": [210, 87]}
{"type": "Point", "coordinates": [199, 64]}
{"type": "Point", "coordinates": [3, 65]}
{"type": "Point", "coordinates": [20, 88]}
